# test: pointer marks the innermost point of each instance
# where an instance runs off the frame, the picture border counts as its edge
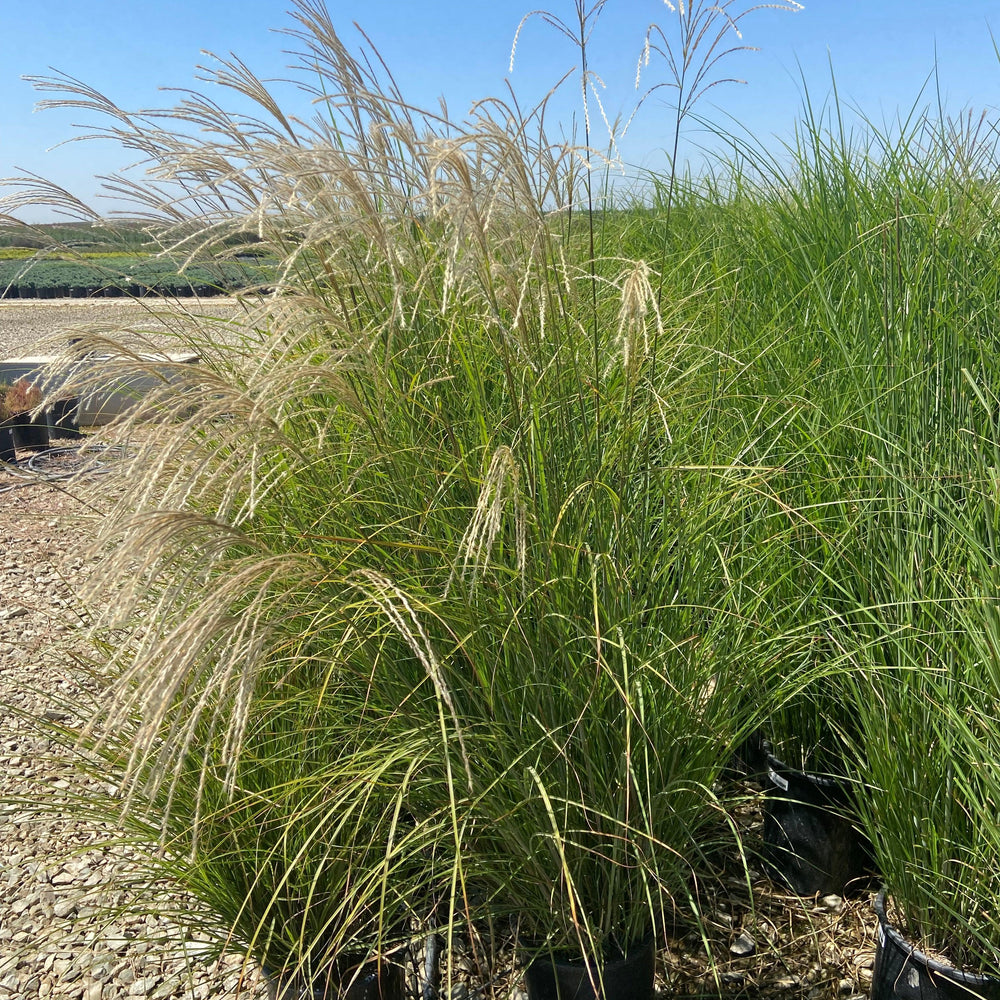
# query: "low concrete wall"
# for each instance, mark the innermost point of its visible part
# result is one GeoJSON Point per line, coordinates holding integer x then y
{"type": "Point", "coordinates": [98, 406]}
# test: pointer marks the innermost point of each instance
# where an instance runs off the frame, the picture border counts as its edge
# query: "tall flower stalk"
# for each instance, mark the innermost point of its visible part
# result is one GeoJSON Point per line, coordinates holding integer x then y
{"type": "Point", "coordinates": [701, 35]}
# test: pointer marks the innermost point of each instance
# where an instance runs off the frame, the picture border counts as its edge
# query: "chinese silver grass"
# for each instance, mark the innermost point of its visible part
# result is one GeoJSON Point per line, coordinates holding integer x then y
{"type": "Point", "coordinates": [637, 302]}
{"type": "Point", "coordinates": [312, 508]}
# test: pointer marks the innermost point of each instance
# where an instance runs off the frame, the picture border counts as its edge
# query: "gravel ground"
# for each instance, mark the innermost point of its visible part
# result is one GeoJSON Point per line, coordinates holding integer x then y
{"type": "Point", "coordinates": [53, 943]}
{"type": "Point", "coordinates": [26, 324]}
{"type": "Point", "coordinates": [53, 940]}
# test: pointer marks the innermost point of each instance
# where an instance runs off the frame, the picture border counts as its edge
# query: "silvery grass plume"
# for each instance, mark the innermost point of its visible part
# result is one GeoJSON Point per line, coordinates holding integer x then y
{"type": "Point", "coordinates": [692, 57]}
{"type": "Point", "coordinates": [501, 490]}
{"type": "Point", "coordinates": [578, 32]}
{"type": "Point", "coordinates": [703, 32]}
{"type": "Point", "coordinates": [637, 302]}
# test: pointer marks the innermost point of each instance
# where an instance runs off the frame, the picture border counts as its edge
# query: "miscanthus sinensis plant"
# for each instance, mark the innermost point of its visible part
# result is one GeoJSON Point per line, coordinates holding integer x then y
{"type": "Point", "coordinates": [445, 476]}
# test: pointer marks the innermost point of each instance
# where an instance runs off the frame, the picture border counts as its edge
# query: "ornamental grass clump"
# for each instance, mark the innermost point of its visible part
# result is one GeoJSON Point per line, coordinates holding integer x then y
{"type": "Point", "coordinates": [925, 701]}
{"type": "Point", "coordinates": [853, 284]}
{"type": "Point", "coordinates": [924, 690]}
{"type": "Point", "coordinates": [462, 493]}
{"type": "Point", "coordinates": [885, 230]}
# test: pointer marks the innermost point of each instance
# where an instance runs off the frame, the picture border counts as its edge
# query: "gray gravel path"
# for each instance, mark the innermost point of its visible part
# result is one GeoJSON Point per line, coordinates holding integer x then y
{"type": "Point", "coordinates": [28, 324]}
{"type": "Point", "coordinates": [53, 943]}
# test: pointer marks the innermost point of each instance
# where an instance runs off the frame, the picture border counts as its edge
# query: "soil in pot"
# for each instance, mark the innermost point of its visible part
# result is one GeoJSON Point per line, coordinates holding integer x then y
{"type": "Point", "coordinates": [904, 973]}
{"type": "Point", "coordinates": [811, 844]}
{"type": "Point", "coordinates": [629, 977]}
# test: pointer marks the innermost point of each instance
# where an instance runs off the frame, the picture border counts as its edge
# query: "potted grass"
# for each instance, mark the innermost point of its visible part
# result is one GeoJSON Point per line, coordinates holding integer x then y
{"type": "Point", "coordinates": [925, 693]}
{"type": "Point", "coordinates": [613, 699]}
{"type": "Point", "coordinates": [811, 841]}
{"type": "Point", "coordinates": [930, 811]}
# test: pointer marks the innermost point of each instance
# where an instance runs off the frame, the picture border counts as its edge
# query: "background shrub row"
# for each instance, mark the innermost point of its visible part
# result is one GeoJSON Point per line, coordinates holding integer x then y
{"type": "Point", "coordinates": [118, 275]}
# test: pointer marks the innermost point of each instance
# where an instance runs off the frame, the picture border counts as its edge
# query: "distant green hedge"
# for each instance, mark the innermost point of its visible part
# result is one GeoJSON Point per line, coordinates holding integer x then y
{"type": "Point", "coordinates": [122, 275]}
{"type": "Point", "coordinates": [115, 235]}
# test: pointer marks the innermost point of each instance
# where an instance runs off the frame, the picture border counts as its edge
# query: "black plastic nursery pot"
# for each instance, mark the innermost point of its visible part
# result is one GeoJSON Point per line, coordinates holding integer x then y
{"type": "Point", "coordinates": [748, 760]}
{"type": "Point", "coordinates": [7, 451]}
{"type": "Point", "coordinates": [904, 973]}
{"type": "Point", "coordinates": [30, 433]}
{"type": "Point", "coordinates": [62, 418]}
{"type": "Point", "coordinates": [350, 979]}
{"type": "Point", "coordinates": [811, 844]}
{"type": "Point", "coordinates": [627, 978]}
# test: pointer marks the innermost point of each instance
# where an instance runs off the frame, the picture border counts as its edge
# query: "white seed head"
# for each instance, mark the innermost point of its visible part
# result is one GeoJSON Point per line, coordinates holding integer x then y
{"type": "Point", "coordinates": [638, 301]}
{"type": "Point", "coordinates": [501, 488]}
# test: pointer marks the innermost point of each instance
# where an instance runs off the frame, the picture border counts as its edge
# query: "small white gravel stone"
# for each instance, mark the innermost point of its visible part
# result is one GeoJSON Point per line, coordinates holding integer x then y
{"type": "Point", "coordinates": [743, 945]}
{"type": "Point", "coordinates": [143, 987]}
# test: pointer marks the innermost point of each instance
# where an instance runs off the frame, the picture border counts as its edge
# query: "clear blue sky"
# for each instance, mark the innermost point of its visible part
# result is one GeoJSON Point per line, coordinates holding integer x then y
{"type": "Point", "coordinates": [881, 54]}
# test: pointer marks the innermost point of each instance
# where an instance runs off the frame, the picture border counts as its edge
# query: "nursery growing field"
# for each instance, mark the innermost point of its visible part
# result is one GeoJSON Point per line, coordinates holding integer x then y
{"type": "Point", "coordinates": [115, 260]}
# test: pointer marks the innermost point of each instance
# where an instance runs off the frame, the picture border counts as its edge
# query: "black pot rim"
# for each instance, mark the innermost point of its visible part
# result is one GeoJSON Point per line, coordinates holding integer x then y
{"type": "Point", "coordinates": [567, 957]}
{"type": "Point", "coordinates": [940, 968]}
{"type": "Point", "coordinates": [780, 768]}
